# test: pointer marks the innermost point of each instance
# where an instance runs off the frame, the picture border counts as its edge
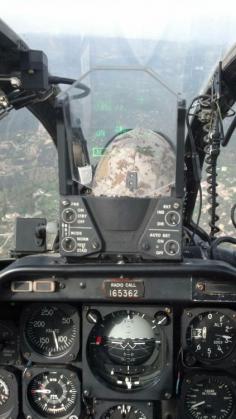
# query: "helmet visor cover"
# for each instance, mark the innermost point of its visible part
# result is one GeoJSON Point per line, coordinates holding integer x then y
{"type": "Point", "coordinates": [139, 163]}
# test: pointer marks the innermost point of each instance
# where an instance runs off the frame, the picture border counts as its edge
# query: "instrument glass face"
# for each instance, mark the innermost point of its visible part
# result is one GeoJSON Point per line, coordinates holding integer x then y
{"type": "Point", "coordinates": [53, 394]}
{"type": "Point", "coordinates": [52, 330]}
{"type": "Point", "coordinates": [210, 398]}
{"type": "Point", "coordinates": [211, 335]}
{"type": "Point", "coordinates": [4, 393]}
{"type": "Point", "coordinates": [124, 349]}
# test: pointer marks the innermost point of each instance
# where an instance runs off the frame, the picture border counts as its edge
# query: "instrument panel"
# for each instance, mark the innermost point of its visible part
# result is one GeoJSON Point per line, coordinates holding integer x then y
{"type": "Point", "coordinates": [117, 360]}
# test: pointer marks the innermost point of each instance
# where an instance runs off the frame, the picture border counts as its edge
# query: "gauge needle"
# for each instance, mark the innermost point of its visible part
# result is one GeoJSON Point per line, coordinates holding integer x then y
{"type": "Point", "coordinates": [43, 391]}
{"type": "Point", "coordinates": [55, 340]}
{"type": "Point", "coordinates": [198, 404]}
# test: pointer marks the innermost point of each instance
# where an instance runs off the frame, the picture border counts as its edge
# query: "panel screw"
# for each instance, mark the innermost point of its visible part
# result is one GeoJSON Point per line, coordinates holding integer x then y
{"type": "Point", "coordinates": [189, 314]}
{"type": "Point", "coordinates": [200, 286]}
{"type": "Point", "coordinates": [149, 404]}
{"type": "Point", "coordinates": [86, 393]}
{"type": "Point", "coordinates": [15, 82]}
{"type": "Point", "coordinates": [28, 374]}
{"type": "Point", "coordinates": [145, 246]}
{"type": "Point", "coordinates": [168, 310]}
{"type": "Point", "coordinates": [190, 360]}
{"type": "Point", "coordinates": [176, 205]}
{"type": "Point", "coordinates": [27, 355]}
{"type": "Point", "coordinates": [95, 244]}
{"type": "Point", "coordinates": [28, 417]}
{"type": "Point", "coordinates": [82, 285]}
{"type": "Point", "coordinates": [167, 396]}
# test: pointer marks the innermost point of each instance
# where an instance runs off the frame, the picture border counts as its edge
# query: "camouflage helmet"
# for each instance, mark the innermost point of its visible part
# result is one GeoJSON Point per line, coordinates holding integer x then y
{"type": "Point", "coordinates": [138, 163]}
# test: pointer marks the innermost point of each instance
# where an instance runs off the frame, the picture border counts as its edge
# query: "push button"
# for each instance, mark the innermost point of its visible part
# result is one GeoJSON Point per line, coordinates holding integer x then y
{"type": "Point", "coordinates": [22, 286]}
{"type": "Point", "coordinates": [44, 286]}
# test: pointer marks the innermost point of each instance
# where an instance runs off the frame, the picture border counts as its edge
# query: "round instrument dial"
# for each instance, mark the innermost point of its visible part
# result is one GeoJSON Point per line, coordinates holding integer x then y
{"type": "Point", "coordinates": [53, 393]}
{"type": "Point", "coordinates": [8, 394]}
{"type": "Point", "coordinates": [209, 398]}
{"type": "Point", "coordinates": [51, 330]}
{"type": "Point", "coordinates": [4, 392]}
{"type": "Point", "coordinates": [124, 349]}
{"type": "Point", "coordinates": [211, 336]}
{"type": "Point", "coordinates": [123, 411]}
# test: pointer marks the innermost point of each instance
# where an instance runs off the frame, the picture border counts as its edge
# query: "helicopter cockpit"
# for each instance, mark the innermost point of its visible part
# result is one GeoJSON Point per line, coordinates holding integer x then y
{"type": "Point", "coordinates": [130, 311]}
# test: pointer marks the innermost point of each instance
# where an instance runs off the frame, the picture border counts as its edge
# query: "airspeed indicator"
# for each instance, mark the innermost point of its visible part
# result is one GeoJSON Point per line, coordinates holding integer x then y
{"type": "Point", "coordinates": [51, 330]}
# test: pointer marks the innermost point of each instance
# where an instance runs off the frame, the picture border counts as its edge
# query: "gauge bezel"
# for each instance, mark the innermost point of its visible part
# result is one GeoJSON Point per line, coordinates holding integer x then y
{"type": "Point", "coordinates": [11, 407]}
{"type": "Point", "coordinates": [163, 383]}
{"type": "Point", "coordinates": [30, 353]}
{"type": "Point", "coordinates": [188, 316]}
{"type": "Point", "coordinates": [28, 409]}
{"type": "Point", "coordinates": [102, 406]}
{"type": "Point", "coordinates": [192, 379]}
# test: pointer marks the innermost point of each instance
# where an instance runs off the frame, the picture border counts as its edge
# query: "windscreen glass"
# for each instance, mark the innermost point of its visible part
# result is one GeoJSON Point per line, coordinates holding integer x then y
{"type": "Point", "coordinates": [180, 41]}
{"type": "Point", "coordinates": [121, 99]}
{"type": "Point", "coordinates": [129, 121]}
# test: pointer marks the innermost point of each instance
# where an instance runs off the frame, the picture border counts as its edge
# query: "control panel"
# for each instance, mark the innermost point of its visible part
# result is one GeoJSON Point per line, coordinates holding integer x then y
{"type": "Point", "coordinates": [162, 237]}
{"type": "Point", "coordinates": [78, 235]}
{"type": "Point", "coordinates": [158, 234]}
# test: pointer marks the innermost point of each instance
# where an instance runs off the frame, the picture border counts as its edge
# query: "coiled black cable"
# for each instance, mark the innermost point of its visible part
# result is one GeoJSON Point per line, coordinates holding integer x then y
{"type": "Point", "coordinates": [212, 151]}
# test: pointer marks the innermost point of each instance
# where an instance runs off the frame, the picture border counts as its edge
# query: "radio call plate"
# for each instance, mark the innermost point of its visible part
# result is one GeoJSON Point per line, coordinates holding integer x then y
{"type": "Point", "coordinates": [125, 289]}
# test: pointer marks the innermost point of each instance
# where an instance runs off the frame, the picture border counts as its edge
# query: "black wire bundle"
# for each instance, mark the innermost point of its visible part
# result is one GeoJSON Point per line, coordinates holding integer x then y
{"type": "Point", "coordinates": [206, 108]}
{"type": "Point", "coordinates": [196, 106]}
{"type": "Point", "coordinates": [212, 151]}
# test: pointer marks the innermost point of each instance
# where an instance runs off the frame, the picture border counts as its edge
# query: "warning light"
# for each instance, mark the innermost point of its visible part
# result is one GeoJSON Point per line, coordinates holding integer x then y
{"type": "Point", "coordinates": [98, 340]}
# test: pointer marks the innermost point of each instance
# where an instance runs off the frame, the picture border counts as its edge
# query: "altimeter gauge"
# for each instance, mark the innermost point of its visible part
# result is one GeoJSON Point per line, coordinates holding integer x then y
{"type": "Point", "coordinates": [211, 335]}
{"type": "Point", "coordinates": [208, 397]}
{"type": "Point", "coordinates": [50, 331]}
{"type": "Point", "coordinates": [54, 394]}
